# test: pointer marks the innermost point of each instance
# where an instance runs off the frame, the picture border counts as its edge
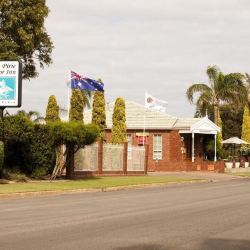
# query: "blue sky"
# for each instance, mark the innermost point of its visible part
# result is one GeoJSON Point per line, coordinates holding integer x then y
{"type": "Point", "coordinates": [160, 46]}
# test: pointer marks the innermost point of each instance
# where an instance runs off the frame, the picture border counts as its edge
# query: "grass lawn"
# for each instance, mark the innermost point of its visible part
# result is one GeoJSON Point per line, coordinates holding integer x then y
{"type": "Point", "coordinates": [90, 183]}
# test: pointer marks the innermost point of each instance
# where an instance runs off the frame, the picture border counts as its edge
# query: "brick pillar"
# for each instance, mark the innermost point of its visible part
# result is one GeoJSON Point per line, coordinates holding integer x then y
{"type": "Point", "coordinates": [100, 155]}
{"type": "Point", "coordinates": [146, 159]}
{"type": "Point", "coordinates": [125, 158]}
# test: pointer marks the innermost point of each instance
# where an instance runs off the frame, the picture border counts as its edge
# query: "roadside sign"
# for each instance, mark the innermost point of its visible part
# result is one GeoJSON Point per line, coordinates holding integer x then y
{"type": "Point", "coordinates": [10, 84]}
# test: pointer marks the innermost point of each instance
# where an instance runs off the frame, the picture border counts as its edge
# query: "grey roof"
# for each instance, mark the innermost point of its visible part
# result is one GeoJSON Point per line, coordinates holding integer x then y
{"type": "Point", "coordinates": [184, 123]}
{"type": "Point", "coordinates": [137, 115]}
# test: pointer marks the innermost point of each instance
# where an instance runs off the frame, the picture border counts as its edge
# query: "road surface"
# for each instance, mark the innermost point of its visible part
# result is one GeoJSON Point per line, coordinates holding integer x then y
{"type": "Point", "coordinates": [212, 215]}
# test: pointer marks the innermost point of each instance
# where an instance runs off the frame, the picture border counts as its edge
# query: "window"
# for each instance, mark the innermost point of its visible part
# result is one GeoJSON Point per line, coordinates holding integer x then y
{"type": "Point", "coordinates": [129, 140]}
{"type": "Point", "coordinates": [157, 147]}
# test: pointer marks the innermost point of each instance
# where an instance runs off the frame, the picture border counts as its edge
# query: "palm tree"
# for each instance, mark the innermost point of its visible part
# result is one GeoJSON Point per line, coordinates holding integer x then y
{"type": "Point", "coordinates": [222, 89]}
{"type": "Point", "coordinates": [34, 116]}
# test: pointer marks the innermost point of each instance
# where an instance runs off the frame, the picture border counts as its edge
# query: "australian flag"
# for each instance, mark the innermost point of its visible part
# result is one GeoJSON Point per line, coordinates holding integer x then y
{"type": "Point", "coordinates": [79, 82]}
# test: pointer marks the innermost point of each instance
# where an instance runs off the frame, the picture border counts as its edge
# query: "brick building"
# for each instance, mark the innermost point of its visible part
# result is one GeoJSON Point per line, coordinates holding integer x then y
{"type": "Point", "coordinates": [175, 144]}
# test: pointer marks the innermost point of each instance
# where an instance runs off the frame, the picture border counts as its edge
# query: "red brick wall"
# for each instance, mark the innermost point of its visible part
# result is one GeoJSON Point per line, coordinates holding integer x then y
{"type": "Point", "coordinates": [172, 157]}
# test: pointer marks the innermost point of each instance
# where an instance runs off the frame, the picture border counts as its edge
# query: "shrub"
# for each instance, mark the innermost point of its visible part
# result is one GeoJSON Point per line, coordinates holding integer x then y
{"type": "Point", "coordinates": [52, 111]}
{"type": "Point", "coordinates": [18, 132]}
{"type": "Point", "coordinates": [74, 135]}
{"type": "Point", "coordinates": [98, 112]}
{"type": "Point", "coordinates": [119, 122]}
{"type": "Point", "coordinates": [76, 106]}
{"type": "Point", "coordinates": [42, 151]}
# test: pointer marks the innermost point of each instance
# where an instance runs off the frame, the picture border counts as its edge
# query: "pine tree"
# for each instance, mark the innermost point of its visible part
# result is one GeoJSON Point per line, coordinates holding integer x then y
{"type": "Point", "coordinates": [76, 106]}
{"type": "Point", "coordinates": [119, 122]}
{"type": "Point", "coordinates": [52, 111]}
{"type": "Point", "coordinates": [98, 112]}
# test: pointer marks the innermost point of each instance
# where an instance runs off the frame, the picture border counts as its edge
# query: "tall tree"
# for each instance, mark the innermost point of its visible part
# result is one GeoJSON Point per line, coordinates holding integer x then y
{"type": "Point", "coordinates": [231, 120]}
{"type": "Point", "coordinates": [23, 35]}
{"type": "Point", "coordinates": [245, 134]}
{"type": "Point", "coordinates": [221, 89]}
{"type": "Point", "coordinates": [52, 111]}
{"type": "Point", "coordinates": [76, 106]}
{"type": "Point", "coordinates": [119, 122]}
{"type": "Point", "coordinates": [99, 112]}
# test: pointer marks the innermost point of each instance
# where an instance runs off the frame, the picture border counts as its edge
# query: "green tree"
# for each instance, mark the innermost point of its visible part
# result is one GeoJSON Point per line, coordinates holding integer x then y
{"type": "Point", "coordinates": [42, 152]}
{"type": "Point", "coordinates": [219, 136]}
{"type": "Point", "coordinates": [76, 106]}
{"type": "Point", "coordinates": [74, 135]}
{"type": "Point", "coordinates": [119, 122]}
{"type": "Point", "coordinates": [18, 131]}
{"type": "Point", "coordinates": [231, 121]}
{"type": "Point", "coordinates": [245, 134]}
{"type": "Point", "coordinates": [98, 112]}
{"type": "Point", "coordinates": [222, 89]}
{"type": "Point", "coordinates": [52, 111]}
{"type": "Point", "coordinates": [23, 36]}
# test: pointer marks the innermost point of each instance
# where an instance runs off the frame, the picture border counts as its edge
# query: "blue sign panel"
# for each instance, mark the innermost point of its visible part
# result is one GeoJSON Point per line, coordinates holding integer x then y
{"type": "Point", "coordinates": [7, 88]}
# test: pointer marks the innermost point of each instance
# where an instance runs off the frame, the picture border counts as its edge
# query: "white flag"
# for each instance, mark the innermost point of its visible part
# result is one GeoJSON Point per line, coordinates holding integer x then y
{"type": "Point", "coordinates": [155, 103]}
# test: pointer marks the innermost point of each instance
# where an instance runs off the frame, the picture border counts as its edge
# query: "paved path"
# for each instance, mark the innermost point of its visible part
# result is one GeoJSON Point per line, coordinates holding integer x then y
{"type": "Point", "coordinates": [213, 215]}
{"type": "Point", "coordinates": [203, 175]}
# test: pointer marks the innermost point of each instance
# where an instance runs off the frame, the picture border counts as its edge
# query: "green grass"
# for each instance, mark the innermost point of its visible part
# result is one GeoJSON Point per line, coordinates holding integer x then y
{"type": "Point", "coordinates": [90, 183]}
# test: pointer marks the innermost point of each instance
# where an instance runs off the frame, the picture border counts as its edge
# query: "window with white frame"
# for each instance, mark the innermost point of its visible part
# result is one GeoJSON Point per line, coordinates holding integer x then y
{"type": "Point", "coordinates": [157, 147]}
{"type": "Point", "coordinates": [129, 140]}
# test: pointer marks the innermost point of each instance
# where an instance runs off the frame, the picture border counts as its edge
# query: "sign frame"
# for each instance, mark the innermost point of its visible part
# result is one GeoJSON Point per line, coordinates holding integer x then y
{"type": "Point", "coordinates": [11, 71]}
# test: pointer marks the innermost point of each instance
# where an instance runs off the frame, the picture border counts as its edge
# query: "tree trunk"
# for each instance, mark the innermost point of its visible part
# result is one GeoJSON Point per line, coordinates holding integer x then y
{"type": "Point", "coordinates": [70, 161]}
{"type": "Point", "coordinates": [216, 114]}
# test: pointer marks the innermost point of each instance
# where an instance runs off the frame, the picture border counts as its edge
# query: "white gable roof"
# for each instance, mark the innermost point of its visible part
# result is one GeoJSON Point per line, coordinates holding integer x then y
{"type": "Point", "coordinates": [203, 126]}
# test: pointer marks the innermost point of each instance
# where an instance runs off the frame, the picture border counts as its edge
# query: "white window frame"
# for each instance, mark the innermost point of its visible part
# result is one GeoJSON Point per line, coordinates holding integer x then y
{"type": "Point", "coordinates": [157, 147]}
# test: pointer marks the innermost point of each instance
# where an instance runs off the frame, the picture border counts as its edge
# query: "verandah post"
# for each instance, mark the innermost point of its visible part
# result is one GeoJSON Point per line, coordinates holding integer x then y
{"type": "Point", "coordinates": [215, 150]}
{"type": "Point", "coordinates": [192, 147]}
{"type": "Point", "coordinates": [146, 159]}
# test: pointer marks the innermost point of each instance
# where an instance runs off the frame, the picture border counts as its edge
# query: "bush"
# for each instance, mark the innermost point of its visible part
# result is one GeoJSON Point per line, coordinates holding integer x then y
{"type": "Point", "coordinates": [15, 175]}
{"type": "Point", "coordinates": [18, 132]}
{"type": "Point", "coordinates": [41, 151]}
{"type": "Point", "coordinates": [74, 135]}
{"type": "Point", "coordinates": [28, 146]}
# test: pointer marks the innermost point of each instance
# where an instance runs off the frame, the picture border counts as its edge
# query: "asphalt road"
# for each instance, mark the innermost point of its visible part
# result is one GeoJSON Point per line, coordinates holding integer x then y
{"type": "Point", "coordinates": [191, 216]}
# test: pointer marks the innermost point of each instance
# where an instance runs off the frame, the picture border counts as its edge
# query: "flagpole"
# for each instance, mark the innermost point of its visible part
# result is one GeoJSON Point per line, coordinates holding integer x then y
{"type": "Point", "coordinates": [69, 88]}
{"type": "Point", "coordinates": [144, 120]}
